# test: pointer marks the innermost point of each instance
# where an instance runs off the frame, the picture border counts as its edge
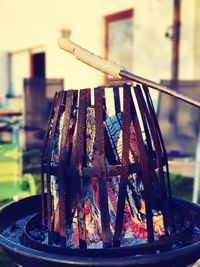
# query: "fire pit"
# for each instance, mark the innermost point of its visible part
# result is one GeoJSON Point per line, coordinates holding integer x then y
{"type": "Point", "coordinates": [106, 197]}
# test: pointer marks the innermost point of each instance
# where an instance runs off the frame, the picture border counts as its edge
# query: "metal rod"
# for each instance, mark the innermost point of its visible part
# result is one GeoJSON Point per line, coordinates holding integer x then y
{"type": "Point", "coordinates": [116, 70]}
{"type": "Point", "coordinates": [158, 87]}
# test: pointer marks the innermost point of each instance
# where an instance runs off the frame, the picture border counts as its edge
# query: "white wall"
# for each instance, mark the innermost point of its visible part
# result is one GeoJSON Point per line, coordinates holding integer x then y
{"type": "Point", "coordinates": [20, 70]}
{"type": "Point", "coordinates": [151, 50]}
{"type": "Point", "coordinates": [4, 75]}
{"type": "Point", "coordinates": [82, 18]}
{"type": "Point", "coordinates": [29, 23]}
{"type": "Point", "coordinates": [197, 41]}
{"type": "Point", "coordinates": [187, 40]}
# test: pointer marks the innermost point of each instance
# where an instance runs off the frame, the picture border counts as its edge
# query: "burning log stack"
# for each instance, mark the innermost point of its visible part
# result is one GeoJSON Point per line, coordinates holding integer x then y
{"type": "Point", "coordinates": [106, 175]}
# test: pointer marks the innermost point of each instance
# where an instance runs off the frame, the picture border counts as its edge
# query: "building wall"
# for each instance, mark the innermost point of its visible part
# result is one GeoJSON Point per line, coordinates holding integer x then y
{"type": "Point", "coordinates": [25, 24]}
{"type": "Point", "coordinates": [151, 50]}
{"type": "Point", "coordinates": [4, 75]}
{"type": "Point", "coordinates": [187, 40]}
{"type": "Point", "coordinates": [196, 57]}
{"type": "Point", "coordinates": [20, 70]}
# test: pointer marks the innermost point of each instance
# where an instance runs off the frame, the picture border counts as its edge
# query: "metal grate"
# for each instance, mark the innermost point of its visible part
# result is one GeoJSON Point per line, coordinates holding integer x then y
{"type": "Point", "coordinates": [141, 166]}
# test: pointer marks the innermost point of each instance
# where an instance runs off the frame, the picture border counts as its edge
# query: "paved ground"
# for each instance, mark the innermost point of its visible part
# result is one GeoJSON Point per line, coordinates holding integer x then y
{"type": "Point", "coordinates": [183, 166]}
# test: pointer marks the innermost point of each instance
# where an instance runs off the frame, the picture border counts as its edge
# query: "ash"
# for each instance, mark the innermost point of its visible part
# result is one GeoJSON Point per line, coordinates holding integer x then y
{"type": "Point", "coordinates": [196, 233]}
{"type": "Point", "coordinates": [14, 231]}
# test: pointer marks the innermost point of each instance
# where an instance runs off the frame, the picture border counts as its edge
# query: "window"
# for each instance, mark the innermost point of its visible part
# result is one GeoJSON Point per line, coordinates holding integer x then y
{"type": "Point", "coordinates": [38, 65]}
{"type": "Point", "coordinates": [119, 39]}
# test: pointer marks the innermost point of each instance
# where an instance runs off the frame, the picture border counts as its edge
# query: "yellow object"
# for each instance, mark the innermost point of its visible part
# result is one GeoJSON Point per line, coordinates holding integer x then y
{"type": "Point", "coordinates": [12, 184]}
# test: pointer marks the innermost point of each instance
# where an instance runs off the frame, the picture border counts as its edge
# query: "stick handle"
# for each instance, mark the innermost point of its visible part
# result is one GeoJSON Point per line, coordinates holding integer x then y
{"type": "Point", "coordinates": [116, 70]}
{"type": "Point", "coordinates": [159, 87]}
{"type": "Point", "coordinates": [89, 58]}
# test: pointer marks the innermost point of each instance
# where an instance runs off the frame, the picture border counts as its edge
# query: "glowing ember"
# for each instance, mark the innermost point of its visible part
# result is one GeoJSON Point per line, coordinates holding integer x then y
{"type": "Point", "coordinates": [134, 229]}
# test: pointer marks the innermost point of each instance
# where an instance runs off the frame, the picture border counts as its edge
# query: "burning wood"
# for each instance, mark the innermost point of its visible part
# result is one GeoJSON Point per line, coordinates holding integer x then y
{"type": "Point", "coordinates": [134, 228]}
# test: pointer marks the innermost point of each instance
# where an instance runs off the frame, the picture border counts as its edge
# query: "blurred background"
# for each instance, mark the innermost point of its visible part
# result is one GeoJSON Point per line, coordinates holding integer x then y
{"type": "Point", "coordinates": [157, 39]}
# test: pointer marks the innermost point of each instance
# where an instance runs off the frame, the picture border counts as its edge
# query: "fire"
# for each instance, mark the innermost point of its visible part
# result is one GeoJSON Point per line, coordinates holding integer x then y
{"type": "Point", "coordinates": [158, 225]}
{"type": "Point", "coordinates": [157, 220]}
{"type": "Point", "coordinates": [142, 206]}
{"type": "Point", "coordinates": [134, 228]}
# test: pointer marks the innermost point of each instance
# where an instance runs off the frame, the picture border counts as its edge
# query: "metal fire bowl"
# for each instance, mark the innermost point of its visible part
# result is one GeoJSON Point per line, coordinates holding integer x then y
{"type": "Point", "coordinates": [29, 257]}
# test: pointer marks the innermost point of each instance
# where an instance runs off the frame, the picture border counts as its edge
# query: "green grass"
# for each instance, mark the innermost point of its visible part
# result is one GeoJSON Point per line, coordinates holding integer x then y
{"type": "Point", "coordinates": [31, 165]}
{"type": "Point", "coordinates": [4, 260]}
{"type": "Point", "coordinates": [181, 186]}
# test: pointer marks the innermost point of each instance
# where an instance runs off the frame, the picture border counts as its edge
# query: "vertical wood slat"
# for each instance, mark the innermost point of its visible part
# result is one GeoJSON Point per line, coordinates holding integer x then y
{"type": "Point", "coordinates": [145, 170]}
{"type": "Point", "coordinates": [100, 161]}
{"type": "Point", "coordinates": [116, 99]}
{"type": "Point", "coordinates": [145, 124]}
{"type": "Point", "coordinates": [43, 196]}
{"type": "Point", "coordinates": [134, 149]}
{"type": "Point", "coordinates": [125, 166]}
{"type": "Point", "coordinates": [152, 111]}
{"type": "Point", "coordinates": [44, 158]}
{"type": "Point", "coordinates": [49, 153]}
{"type": "Point", "coordinates": [62, 176]}
{"type": "Point", "coordinates": [163, 152]}
{"type": "Point", "coordinates": [46, 137]}
{"type": "Point", "coordinates": [77, 160]}
{"type": "Point", "coordinates": [156, 142]}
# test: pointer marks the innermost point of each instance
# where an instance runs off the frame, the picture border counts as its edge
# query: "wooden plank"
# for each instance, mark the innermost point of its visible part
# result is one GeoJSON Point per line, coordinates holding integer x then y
{"type": "Point", "coordinates": [111, 170]}
{"type": "Point", "coordinates": [44, 151]}
{"type": "Point", "coordinates": [125, 166]}
{"type": "Point", "coordinates": [42, 197]}
{"type": "Point", "coordinates": [62, 175]}
{"type": "Point", "coordinates": [160, 150]}
{"type": "Point", "coordinates": [49, 153]}
{"type": "Point", "coordinates": [164, 152]}
{"type": "Point", "coordinates": [100, 161]}
{"type": "Point", "coordinates": [155, 138]}
{"type": "Point", "coordinates": [116, 99]}
{"type": "Point", "coordinates": [78, 160]}
{"type": "Point", "coordinates": [51, 116]}
{"type": "Point", "coordinates": [145, 168]}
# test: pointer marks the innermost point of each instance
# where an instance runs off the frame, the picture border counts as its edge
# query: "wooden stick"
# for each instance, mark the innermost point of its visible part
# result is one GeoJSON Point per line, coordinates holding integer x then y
{"type": "Point", "coordinates": [118, 71]}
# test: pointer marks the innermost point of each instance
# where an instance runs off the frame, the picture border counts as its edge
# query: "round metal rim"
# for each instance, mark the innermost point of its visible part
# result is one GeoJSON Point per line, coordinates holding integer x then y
{"type": "Point", "coordinates": [23, 254]}
{"type": "Point", "coordinates": [146, 248]}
